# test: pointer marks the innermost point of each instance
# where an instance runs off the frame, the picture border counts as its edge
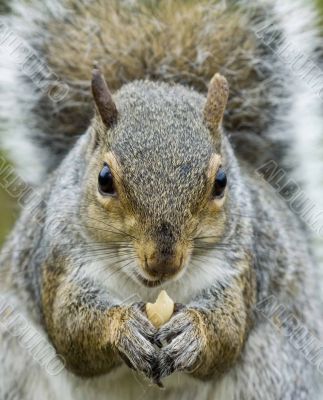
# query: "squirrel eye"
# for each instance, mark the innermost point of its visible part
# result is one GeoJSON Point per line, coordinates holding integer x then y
{"type": "Point", "coordinates": [106, 184]}
{"type": "Point", "coordinates": [219, 184]}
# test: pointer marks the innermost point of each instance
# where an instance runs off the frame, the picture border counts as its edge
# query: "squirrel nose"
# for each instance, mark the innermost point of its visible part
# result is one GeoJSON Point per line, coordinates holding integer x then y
{"type": "Point", "coordinates": [158, 267]}
{"type": "Point", "coordinates": [164, 254]}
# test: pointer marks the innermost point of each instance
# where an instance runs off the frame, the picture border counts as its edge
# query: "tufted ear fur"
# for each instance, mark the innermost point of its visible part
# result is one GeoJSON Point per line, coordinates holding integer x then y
{"type": "Point", "coordinates": [216, 102]}
{"type": "Point", "coordinates": [103, 98]}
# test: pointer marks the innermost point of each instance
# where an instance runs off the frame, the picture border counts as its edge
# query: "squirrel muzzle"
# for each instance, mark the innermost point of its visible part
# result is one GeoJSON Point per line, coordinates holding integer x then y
{"type": "Point", "coordinates": [163, 256]}
{"type": "Point", "coordinates": [163, 265]}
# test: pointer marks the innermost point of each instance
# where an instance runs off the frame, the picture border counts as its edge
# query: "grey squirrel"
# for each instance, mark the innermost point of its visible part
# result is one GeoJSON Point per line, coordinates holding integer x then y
{"type": "Point", "coordinates": [151, 187]}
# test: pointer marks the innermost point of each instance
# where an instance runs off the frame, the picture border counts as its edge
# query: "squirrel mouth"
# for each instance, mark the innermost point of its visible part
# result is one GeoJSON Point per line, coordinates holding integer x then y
{"type": "Point", "coordinates": [148, 282]}
{"type": "Point", "coordinates": [152, 283]}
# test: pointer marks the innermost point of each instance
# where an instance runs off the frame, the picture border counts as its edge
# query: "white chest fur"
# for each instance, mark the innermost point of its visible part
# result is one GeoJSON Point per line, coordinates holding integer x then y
{"type": "Point", "coordinates": [124, 384]}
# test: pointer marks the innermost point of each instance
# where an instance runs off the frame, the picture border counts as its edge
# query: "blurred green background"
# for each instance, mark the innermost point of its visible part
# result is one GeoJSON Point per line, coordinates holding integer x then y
{"type": "Point", "coordinates": [8, 207]}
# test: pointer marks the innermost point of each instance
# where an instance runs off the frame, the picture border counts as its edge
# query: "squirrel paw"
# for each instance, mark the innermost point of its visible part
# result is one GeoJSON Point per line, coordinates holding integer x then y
{"type": "Point", "coordinates": [136, 341]}
{"type": "Point", "coordinates": [182, 344]}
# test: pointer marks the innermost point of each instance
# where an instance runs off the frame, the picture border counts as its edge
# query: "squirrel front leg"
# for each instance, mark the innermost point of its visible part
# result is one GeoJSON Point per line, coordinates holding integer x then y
{"type": "Point", "coordinates": [206, 337]}
{"type": "Point", "coordinates": [91, 333]}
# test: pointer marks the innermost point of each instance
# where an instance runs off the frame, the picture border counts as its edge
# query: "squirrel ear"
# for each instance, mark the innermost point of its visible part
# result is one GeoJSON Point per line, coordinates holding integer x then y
{"type": "Point", "coordinates": [216, 102]}
{"type": "Point", "coordinates": [103, 98]}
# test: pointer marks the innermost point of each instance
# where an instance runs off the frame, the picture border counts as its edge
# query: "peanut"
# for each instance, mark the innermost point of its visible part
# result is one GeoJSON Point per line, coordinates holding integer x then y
{"type": "Point", "coordinates": [161, 311]}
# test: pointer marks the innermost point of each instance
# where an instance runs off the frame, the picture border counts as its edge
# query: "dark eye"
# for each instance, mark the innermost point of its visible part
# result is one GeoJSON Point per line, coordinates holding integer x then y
{"type": "Point", "coordinates": [106, 184]}
{"type": "Point", "coordinates": [219, 184]}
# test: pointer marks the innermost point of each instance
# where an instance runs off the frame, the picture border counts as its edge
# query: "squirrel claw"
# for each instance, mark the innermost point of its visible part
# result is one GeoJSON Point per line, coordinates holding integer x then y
{"type": "Point", "coordinates": [159, 383]}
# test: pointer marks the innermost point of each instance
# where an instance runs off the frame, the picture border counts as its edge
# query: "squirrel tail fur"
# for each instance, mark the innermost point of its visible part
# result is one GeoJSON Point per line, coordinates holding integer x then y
{"type": "Point", "coordinates": [268, 51]}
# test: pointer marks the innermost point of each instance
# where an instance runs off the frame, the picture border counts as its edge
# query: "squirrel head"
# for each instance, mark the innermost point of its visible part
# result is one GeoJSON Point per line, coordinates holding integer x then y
{"type": "Point", "coordinates": [156, 180]}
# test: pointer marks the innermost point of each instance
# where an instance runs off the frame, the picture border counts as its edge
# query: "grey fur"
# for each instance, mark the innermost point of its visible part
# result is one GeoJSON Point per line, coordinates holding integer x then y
{"type": "Point", "coordinates": [163, 150]}
{"type": "Point", "coordinates": [53, 127]}
{"type": "Point", "coordinates": [254, 219]}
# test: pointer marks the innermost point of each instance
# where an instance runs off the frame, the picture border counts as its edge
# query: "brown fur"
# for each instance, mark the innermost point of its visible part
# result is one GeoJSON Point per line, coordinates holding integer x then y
{"type": "Point", "coordinates": [78, 332]}
{"type": "Point", "coordinates": [216, 102]}
{"type": "Point", "coordinates": [172, 41]}
{"type": "Point", "coordinates": [226, 328]}
{"type": "Point", "coordinates": [217, 336]}
{"type": "Point", "coordinates": [103, 99]}
{"type": "Point", "coordinates": [86, 333]}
